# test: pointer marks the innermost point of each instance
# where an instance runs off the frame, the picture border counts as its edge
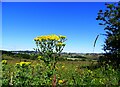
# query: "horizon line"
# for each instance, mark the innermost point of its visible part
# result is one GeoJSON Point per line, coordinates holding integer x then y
{"type": "Point", "coordinates": [62, 52]}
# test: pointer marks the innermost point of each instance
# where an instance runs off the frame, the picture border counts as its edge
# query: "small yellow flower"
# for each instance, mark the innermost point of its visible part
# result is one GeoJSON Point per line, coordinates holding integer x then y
{"type": "Point", "coordinates": [36, 39]}
{"type": "Point", "coordinates": [89, 71]}
{"type": "Point", "coordinates": [63, 66]}
{"type": "Point", "coordinates": [60, 44]}
{"type": "Point", "coordinates": [27, 63]}
{"type": "Point", "coordinates": [54, 37]}
{"type": "Point", "coordinates": [58, 77]}
{"type": "Point", "coordinates": [39, 57]}
{"type": "Point", "coordinates": [21, 63]}
{"type": "Point", "coordinates": [4, 61]}
{"type": "Point", "coordinates": [60, 81]}
{"type": "Point", "coordinates": [24, 63]}
{"type": "Point", "coordinates": [76, 66]}
{"type": "Point", "coordinates": [75, 69]}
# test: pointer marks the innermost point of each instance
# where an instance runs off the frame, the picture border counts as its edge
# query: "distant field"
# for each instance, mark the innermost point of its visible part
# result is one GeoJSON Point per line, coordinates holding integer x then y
{"type": "Point", "coordinates": [83, 59]}
{"type": "Point", "coordinates": [70, 62]}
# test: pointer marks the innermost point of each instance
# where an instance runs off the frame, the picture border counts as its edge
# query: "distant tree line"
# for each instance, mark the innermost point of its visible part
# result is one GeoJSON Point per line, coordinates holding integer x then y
{"type": "Point", "coordinates": [7, 54]}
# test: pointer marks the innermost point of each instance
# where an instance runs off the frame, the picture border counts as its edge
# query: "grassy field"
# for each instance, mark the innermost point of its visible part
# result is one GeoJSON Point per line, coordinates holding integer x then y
{"type": "Point", "coordinates": [14, 61]}
{"type": "Point", "coordinates": [68, 73]}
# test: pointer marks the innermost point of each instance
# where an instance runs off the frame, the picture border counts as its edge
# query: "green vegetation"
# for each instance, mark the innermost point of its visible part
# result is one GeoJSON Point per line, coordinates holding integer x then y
{"type": "Point", "coordinates": [110, 19]}
{"type": "Point", "coordinates": [70, 73]}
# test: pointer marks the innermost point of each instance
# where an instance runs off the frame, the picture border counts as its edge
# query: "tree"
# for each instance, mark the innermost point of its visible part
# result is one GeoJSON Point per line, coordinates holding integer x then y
{"type": "Point", "coordinates": [110, 19]}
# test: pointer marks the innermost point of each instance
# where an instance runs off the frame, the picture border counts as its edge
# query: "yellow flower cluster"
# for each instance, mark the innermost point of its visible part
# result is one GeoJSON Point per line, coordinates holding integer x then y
{"type": "Point", "coordinates": [47, 37]}
{"type": "Point", "coordinates": [39, 57]}
{"type": "Point", "coordinates": [23, 63]}
{"type": "Point", "coordinates": [4, 61]}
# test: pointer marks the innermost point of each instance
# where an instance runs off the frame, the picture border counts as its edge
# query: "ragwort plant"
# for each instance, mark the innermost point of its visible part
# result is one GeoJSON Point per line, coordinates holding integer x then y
{"type": "Point", "coordinates": [50, 47]}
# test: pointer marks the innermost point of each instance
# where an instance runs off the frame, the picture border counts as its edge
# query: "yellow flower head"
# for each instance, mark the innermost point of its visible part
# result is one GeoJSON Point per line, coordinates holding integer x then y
{"type": "Point", "coordinates": [60, 44]}
{"type": "Point", "coordinates": [89, 71]}
{"type": "Point", "coordinates": [63, 66]}
{"type": "Point", "coordinates": [36, 39]}
{"type": "Point", "coordinates": [23, 63]}
{"type": "Point", "coordinates": [50, 78]}
{"type": "Point", "coordinates": [60, 81]}
{"type": "Point", "coordinates": [54, 37]}
{"type": "Point", "coordinates": [58, 77]}
{"type": "Point", "coordinates": [39, 57]}
{"type": "Point", "coordinates": [4, 61]}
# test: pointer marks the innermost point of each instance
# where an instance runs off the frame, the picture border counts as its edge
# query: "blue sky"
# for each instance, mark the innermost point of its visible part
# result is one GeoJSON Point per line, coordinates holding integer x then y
{"type": "Point", "coordinates": [22, 22]}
